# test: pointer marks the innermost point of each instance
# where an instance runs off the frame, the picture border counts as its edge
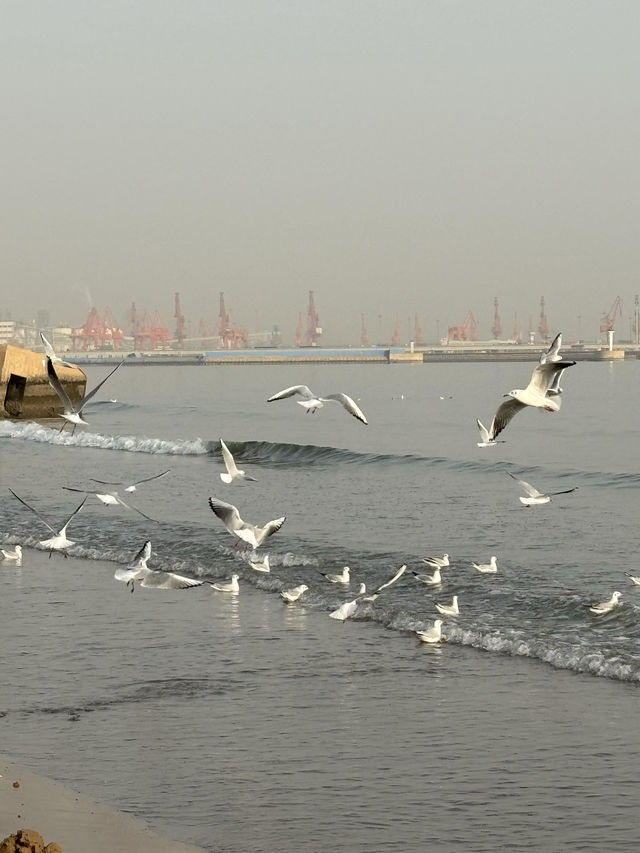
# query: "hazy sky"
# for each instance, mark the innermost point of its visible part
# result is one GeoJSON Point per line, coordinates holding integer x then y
{"type": "Point", "coordinates": [395, 157]}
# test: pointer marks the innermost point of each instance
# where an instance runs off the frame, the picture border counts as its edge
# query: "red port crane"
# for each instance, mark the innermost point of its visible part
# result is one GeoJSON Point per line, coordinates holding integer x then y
{"type": "Point", "coordinates": [417, 331]}
{"type": "Point", "coordinates": [179, 334]}
{"type": "Point", "coordinates": [607, 322]}
{"type": "Point", "coordinates": [496, 329]}
{"type": "Point", "coordinates": [466, 331]}
{"type": "Point", "coordinates": [230, 336]}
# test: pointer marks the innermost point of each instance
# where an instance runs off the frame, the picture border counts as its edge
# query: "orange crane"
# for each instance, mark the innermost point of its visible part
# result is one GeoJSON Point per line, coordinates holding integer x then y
{"type": "Point", "coordinates": [417, 331]}
{"type": "Point", "coordinates": [231, 337]}
{"type": "Point", "coordinates": [312, 335]}
{"type": "Point", "coordinates": [543, 328]}
{"type": "Point", "coordinates": [466, 331]}
{"type": "Point", "coordinates": [607, 323]}
{"type": "Point", "coordinates": [179, 322]}
{"type": "Point", "coordinates": [364, 337]}
{"type": "Point", "coordinates": [160, 335]}
{"type": "Point", "coordinates": [496, 329]}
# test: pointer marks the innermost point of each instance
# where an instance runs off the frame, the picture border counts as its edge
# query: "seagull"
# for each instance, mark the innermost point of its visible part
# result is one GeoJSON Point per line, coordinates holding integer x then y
{"type": "Point", "coordinates": [535, 394]}
{"type": "Point", "coordinates": [432, 580]}
{"type": "Point", "coordinates": [233, 472]}
{"type": "Point", "coordinates": [73, 414]}
{"type": "Point", "coordinates": [431, 635]}
{"type": "Point", "coordinates": [312, 402]}
{"type": "Point", "coordinates": [233, 586]}
{"type": "Point", "coordinates": [449, 609]}
{"type": "Point", "coordinates": [261, 567]}
{"type": "Point", "coordinates": [437, 562]}
{"type": "Point", "coordinates": [138, 571]}
{"type": "Point", "coordinates": [15, 555]}
{"type": "Point", "coordinates": [487, 568]}
{"type": "Point", "coordinates": [487, 438]}
{"type": "Point", "coordinates": [132, 486]}
{"type": "Point", "coordinates": [633, 578]}
{"type": "Point", "coordinates": [59, 541]}
{"type": "Point", "coordinates": [293, 594]}
{"type": "Point", "coordinates": [343, 577]}
{"type": "Point", "coordinates": [112, 499]}
{"type": "Point", "coordinates": [250, 533]}
{"type": "Point", "coordinates": [536, 497]}
{"type": "Point", "coordinates": [554, 390]}
{"type": "Point", "coordinates": [552, 354]}
{"type": "Point", "coordinates": [606, 606]}
{"type": "Point", "coordinates": [50, 353]}
{"type": "Point", "coordinates": [348, 608]}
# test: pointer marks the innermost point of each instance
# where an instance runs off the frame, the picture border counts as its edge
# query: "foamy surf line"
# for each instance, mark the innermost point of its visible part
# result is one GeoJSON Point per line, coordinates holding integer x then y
{"type": "Point", "coordinates": [129, 443]}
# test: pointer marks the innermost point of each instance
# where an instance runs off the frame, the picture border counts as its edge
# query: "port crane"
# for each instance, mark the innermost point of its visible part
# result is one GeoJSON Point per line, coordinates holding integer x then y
{"type": "Point", "coordinates": [467, 331]}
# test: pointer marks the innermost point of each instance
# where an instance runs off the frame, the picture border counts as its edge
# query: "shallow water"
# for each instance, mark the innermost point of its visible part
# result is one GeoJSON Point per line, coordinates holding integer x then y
{"type": "Point", "coordinates": [247, 724]}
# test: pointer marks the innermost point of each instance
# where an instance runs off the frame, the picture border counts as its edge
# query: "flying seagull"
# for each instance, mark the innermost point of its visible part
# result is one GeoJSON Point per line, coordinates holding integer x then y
{"type": "Point", "coordinates": [50, 353]}
{"type": "Point", "coordinates": [111, 499]}
{"type": "Point", "coordinates": [312, 402]}
{"type": "Point", "coordinates": [233, 472]}
{"type": "Point", "coordinates": [138, 572]}
{"type": "Point", "coordinates": [249, 533]}
{"type": "Point", "coordinates": [132, 486]}
{"type": "Point", "coordinates": [73, 414]}
{"type": "Point", "coordinates": [487, 437]}
{"type": "Point", "coordinates": [536, 497]}
{"type": "Point", "coordinates": [535, 394]}
{"type": "Point", "coordinates": [348, 608]}
{"type": "Point", "coordinates": [553, 352]}
{"type": "Point", "coordinates": [59, 541]}
{"type": "Point", "coordinates": [294, 593]}
{"type": "Point", "coordinates": [606, 606]}
{"type": "Point", "coordinates": [431, 635]}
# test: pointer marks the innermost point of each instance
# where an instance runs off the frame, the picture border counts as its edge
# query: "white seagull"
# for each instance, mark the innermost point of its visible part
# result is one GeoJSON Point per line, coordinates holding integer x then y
{"type": "Point", "coordinates": [535, 394]}
{"type": "Point", "coordinates": [606, 606]}
{"type": "Point", "coordinates": [536, 497]}
{"type": "Point", "coordinates": [449, 609]}
{"type": "Point", "coordinates": [431, 635]}
{"type": "Point", "coordinates": [489, 568]}
{"type": "Point", "coordinates": [233, 472]}
{"type": "Point", "coordinates": [437, 562]}
{"type": "Point", "coordinates": [293, 594]}
{"type": "Point", "coordinates": [633, 578]}
{"type": "Point", "coordinates": [487, 437]}
{"type": "Point", "coordinates": [137, 571]}
{"type": "Point", "coordinates": [59, 541]}
{"type": "Point", "coordinates": [132, 486]}
{"type": "Point", "coordinates": [73, 414]}
{"type": "Point", "coordinates": [553, 352]}
{"type": "Point", "coordinates": [15, 555]}
{"type": "Point", "coordinates": [431, 580]}
{"type": "Point", "coordinates": [50, 353]}
{"type": "Point", "coordinates": [262, 566]}
{"type": "Point", "coordinates": [112, 499]}
{"type": "Point", "coordinates": [348, 608]}
{"type": "Point", "coordinates": [343, 577]}
{"type": "Point", "coordinates": [249, 533]}
{"type": "Point", "coordinates": [233, 586]}
{"type": "Point", "coordinates": [311, 402]}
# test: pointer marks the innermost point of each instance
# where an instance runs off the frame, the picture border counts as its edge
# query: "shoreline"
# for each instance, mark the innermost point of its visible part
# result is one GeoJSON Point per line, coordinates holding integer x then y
{"type": "Point", "coordinates": [72, 820]}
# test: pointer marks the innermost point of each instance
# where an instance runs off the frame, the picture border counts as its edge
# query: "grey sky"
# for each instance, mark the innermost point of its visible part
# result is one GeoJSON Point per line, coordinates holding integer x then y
{"type": "Point", "coordinates": [392, 156]}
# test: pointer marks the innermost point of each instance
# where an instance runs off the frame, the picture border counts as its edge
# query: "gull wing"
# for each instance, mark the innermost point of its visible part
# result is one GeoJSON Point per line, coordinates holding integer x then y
{"type": "Point", "coordinates": [146, 479]}
{"type": "Point", "coordinates": [169, 580]}
{"type": "Point", "coordinates": [269, 529]}
{"type": "Point", "coordinates": [229, 515]}
{"type": "Point", "coordinates": [485, 435]}
{"type": "Point", "coordinates": [304, 391]}
{"type": "Point", "coordinates": [135, 509]}
{"type": "Point", "coordinates": [126, 575]}
{"type": "Point", "coordinates": [75, 512]}
{"type": "Point", "coordinates": [543, 374]}
{"type": "Point", "coordinates": [57, 387]}
{"type": "Point", "coordinates": [91, 393]}
{"type": "Point", "coordinates": [529, 489]}
{"type": "Point", "coordinates": [396, 576]}
{"type": "Point", "coordinates": [349, 404]}
{"type": "Point", "coordinates": [140, 559]}
{"type": "Point", "coordinates": [229, 461]}
{"type": "Point", "coordinates": [506, 411]}
{"type": "Point", "coordinates": [553, 352]}
{"type": "Point", "coordinates": [564, 491]}
{"type": "Point", "coordinates": [28, 506]}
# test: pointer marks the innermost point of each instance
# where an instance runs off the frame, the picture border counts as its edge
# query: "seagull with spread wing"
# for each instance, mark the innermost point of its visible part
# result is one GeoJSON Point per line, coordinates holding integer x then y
{"type": "Point", "coordinates": [111, 499]}
{"type": "Point", "coordinates": [138, 572]}
{"type": "Point", "coordinates": [50, 353]}
{"type": "Point", "coordinates": [312, 402]}
{"type": "Point", "coordinates": [233, 472]}
{"type": "Point", "coordinates": [534, 496]}
{"type": "Point", "coordinates": [73, 414]}
{"type": "Point", "coordinates": [132, 486]}
{"type": "Point", "coordinates": [250, 533]}
{"type": "Point", "coordinates": [59, 541]}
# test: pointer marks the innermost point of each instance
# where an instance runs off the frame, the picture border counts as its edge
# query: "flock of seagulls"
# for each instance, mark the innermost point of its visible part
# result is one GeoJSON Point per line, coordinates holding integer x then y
{"type": "Point", "coordinates": [543, 392]}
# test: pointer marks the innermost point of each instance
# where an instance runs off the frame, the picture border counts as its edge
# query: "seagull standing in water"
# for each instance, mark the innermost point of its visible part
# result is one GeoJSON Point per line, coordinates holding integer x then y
{"type": "Point", "coordinates": [293, 594]}
{"type": "Point", "coordinates": [138, 571]}
{"type": "Point", "coordinates": [73, 414]}
{"type": "Point", "coordinates": [606, 606]}
{"type": "Point", "coordinates": [232, 587]}
{"type": "Point", "coordinates": [311, 402]}
{"type": "Point", "coordinates": [249, 533]}
{"type": "Point", "coordinates": [633, 578]}
{"type": "Point", "coordinates": [343, 577]}
{"type": "Point", "coordinates": [233, 472]}
{"type": "Point", "coordinates": [14, 556]}
{"type": "Point", "coordinates": [59, 541]}
{"type": "Point", "coordinates": [535, 395]}
{"type": "Point", "coordinates": [449, 609]}
{"type": "Point", "coordinates": [534, 496]}
{"type": "Point", "coordinates": [437, 562]}
{"type": "Point", "coordinates": [348, 608]}
{"type": "Point", "coordinates": [489, 568]}
{"type": "Point", "coordinates": [430, 580]}
{"type": "Point", "coordinates": [431, 635]}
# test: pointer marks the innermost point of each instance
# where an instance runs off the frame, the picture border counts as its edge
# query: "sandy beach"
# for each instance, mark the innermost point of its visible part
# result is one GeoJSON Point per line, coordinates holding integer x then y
{"type": "Point", "coordinates": [75, 822]}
